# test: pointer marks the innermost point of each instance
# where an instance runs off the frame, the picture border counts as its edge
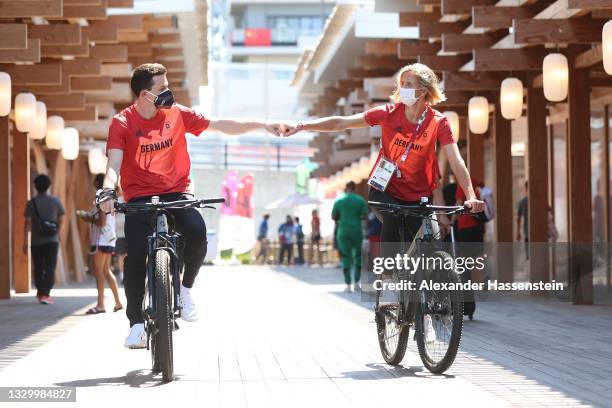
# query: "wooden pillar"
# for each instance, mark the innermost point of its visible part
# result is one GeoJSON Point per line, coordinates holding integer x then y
{"type": "Point", "coordinates": [537, 176]}
{"type": "Point", "coordinates": [475, 154]}
{"type": "Point", "coordinates": [5, 209]}
{"type": "Point", "coordinates": [502, 189]}
{"type": "Point", "coordinates": [579, 183]}
{"type": "Point", "coordinates": [19, 199]}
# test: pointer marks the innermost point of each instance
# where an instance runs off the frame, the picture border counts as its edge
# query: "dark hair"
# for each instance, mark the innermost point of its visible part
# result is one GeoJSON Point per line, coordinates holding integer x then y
{"type": "Point", "coordinates": [42, 183]}
{"type": "Point", "coordinates": [266, 216]}
{"type": "Point", "coordinates": [99, 180]}
{"type": "Point", "coordinates": [350, 186]}
{"type": "Point", "coordinates": [297, 219]}
{"type": "Point", "coordinates": [526, 183]}
{"type": "Point", "coordinates": [142, 77]}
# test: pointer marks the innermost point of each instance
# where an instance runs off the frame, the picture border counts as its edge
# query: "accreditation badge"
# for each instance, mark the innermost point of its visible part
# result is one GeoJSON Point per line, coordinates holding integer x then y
{"type": "Point", "coordinates": [383, 171]}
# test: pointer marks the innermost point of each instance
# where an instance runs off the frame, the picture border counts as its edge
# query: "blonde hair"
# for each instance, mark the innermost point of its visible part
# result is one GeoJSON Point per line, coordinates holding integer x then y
{"type": "Point", "coordinates": [427, 79]}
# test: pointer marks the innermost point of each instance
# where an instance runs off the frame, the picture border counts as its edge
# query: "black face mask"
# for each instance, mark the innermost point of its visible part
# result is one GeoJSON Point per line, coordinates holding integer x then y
{"type": "Point", "coordinates": [164, 100]}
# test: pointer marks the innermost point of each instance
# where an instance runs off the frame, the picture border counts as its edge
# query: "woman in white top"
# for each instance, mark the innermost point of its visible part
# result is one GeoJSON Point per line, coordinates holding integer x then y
{"type": "Point", "coordinates": [102, 240]}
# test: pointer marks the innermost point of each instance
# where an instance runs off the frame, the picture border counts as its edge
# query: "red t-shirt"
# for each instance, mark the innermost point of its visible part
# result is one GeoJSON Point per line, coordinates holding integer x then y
{"type": "Point", "coordinates": [420, 170]}
{"type": "Point", "coordinates": [467, 221]}
{"type": "Point", "coordinates": [155, 157]}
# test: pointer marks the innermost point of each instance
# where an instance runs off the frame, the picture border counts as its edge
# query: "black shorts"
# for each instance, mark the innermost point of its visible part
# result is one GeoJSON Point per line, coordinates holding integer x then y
{"type": "Point", "coordinates": [105, 249]}
{"type": "Point", "coordinates": [120, 246]}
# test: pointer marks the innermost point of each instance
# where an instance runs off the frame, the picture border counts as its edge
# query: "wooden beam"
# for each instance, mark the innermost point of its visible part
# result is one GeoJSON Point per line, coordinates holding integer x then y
{"type": "Point", "coordinates": [102, 32]}
{"type": "Point", "coordinates": [589, 4]}
{"type": "Point", "coordinates": [27, 9]}
{"type": "Point", "coordinates": [121, 3]}
{"type": "Point", "coordinates": [75, 101]}
{"type": "Point", "coordinates": [462, 98]}
{"type": "Point", "coordinates": [89, 114]}
{"type": "Point", "coordinates": [13, 36]}
{"type": "Point", "coordinates": [137, 49]}
{"type": "Point", "coordinates": [573, 31]}
{"type": "Point", "coordinates": [579, 192]}
{"type": "Point", "coordinates": [20, 195]}
{"type": "Point", "coordinates": [128, 22]}
{"type": "Point", "coordinates": [151, 23]}
{"type": "Point", "coordinates": [165, 38]}
{"type": "Point", "coordinates": [350, 83]}
{"type": "Point", "coordinates": [495, 18]}
{"type": "Point", "coordinates": [110, 52]}
{"type": "Point", "coordinates": [428, 3]}
{"type": "Point", "coordinates": [89, 12]}
{"type": "Point", "coordinates": [413, 18]}
{"type": "Point", "coordinates": [375, 61]}
{"type": "Point", "coordinates": [82, 67]}
{"type": "Point", "coordinates": [168, 53]}
{"type": "Point", "coordinates": [520, 59]}
{"type": "Point", "coordinates": [471, 81]}
{"type": "Point", "coordinates": [590, 57]}
{"type": "Point", "coordinates": [5, 209]}
{"type": "Point", "coordinates": [56, 34]}
{"type": "Point", "coordinates": [462, 6]}
{"type": "Point", "coordinates": [444, 62]}
{"type": "Point", "coordinates": [62, 88]}
{"type": "Point", "coordinates": [410, 49]}
{"type": "Point", "coordinates": [381, 47]}
{"type": "Point", "coordinates": [435, 30]}
{"type": "Point", "coordinates": [38, 74]}
{"type": "Point", "coordinates": [29, 54]}
{"type": "Point", "coordinates": [126, 37]}
{"type": "Point", "coordinates": [91, 83]}
{"type": "Point", "coordinates": [117, 70]}
{"type": "Point", "coordinates": [173, 65]}
{"type": "Point", "coordinates": [359, 73]}
{"type": "Point", "coordinates": [537, 176]}
{"type": "Point", "coordinates": [465, 43]}
{"type": "Point", "coordinates": [59, 51]}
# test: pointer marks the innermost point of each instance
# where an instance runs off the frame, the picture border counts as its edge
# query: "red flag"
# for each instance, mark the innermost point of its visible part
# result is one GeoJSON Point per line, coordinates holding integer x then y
{"type": "Point", "coordinates": [257, 37]}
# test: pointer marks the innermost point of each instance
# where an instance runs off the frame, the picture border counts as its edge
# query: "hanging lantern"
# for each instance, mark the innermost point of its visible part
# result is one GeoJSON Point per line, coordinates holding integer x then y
{"type": "Point", "coordinates": [5, 94]}
{"type": "Point", "coordinates": [40, 122]}
{"type": "Point", "coordinates": [478, 114]}
{"type": "Point", "coordinates": [70, 143]}
{"type": "Point", "coordinates": [606, 47]}
{"type": "Point", "coordinates": [364, 167]}
{"type": "Point", "coordinates": [55, 129]}
{"type": "Point", "coordinates": [96, 161]}
{"type": "Point", "coordinates": [25, 111]}
{"type": "Point", "coordinates": [556, 77]}
{"type": "Point", "coordinates": [453, 121]}
{"type": "Point", "coordinates": [511, 98]}
{"type": "Point", "coordinates": [355, 174]}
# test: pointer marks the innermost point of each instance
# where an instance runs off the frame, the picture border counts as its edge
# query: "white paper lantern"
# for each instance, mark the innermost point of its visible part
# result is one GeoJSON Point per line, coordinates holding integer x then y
{"type": "Point", "coordinates": [556, 77]}
{"type": "Point", "coordinates": [606, 47]}
{"type": "Point", "coordinates": [478, 114]}
{"type": "Point", "coordinates": [25, 111]}
{"type": "Point", "coordinates": [453, 121]}
{"type": "Point", "coordinates": [511, 98]}
{"type": "Point", "coordinates": [70, 143]}
{"type": "Point", "coordinates": [40, 122]}
{"type": "Point", "coordinates": [96, 161]}
{"type": "Point", "coordinates": [364, 167]}
{"type": "Point", "coordinates": [55, 129]}
{"type": "Point", "coordinates": [5, 94]}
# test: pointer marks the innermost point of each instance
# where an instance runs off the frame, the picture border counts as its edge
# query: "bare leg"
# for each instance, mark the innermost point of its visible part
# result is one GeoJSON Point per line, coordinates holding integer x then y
{"type": "Point", "coordinates": [99, 274]}
{"type": "Point", "coordinates": [110, 279]}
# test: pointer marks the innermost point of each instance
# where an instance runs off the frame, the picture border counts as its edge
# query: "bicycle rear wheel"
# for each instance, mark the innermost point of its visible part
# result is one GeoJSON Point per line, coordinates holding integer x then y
{"type": "Point", "coordinates": [439, 319]}
{"type": "Point", "coordinates": [162, 338]}
{"type": "Point", "coordinates": [391, 329]}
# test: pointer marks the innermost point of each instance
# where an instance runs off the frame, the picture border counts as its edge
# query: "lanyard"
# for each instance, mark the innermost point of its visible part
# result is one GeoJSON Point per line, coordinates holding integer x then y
{"type": "Point", "coordinates": [420, 122]}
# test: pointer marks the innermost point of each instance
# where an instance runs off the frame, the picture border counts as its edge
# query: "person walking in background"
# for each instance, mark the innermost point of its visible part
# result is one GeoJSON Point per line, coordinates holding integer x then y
{"type": "Point", "coordinates": [315, 238]}
{"type": "Point", "coordinates": [43, 217]}
{"type": "Point", "coordinates": [299, 237]}
{"type": "Point", "coordinates": [286, 234]}
{"type": "Point", "coordinates": [349, 211]}
{"type": "Point", "coordinates": [262, 239]}
{"type": "Point", "coordinates": [103, 238]}
{"type": "Point", "coordinates": [523, 215]}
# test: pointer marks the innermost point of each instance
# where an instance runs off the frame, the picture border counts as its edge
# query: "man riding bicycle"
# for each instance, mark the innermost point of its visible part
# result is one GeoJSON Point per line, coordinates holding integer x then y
{"type": "Point", "coordinates": [147, 147]}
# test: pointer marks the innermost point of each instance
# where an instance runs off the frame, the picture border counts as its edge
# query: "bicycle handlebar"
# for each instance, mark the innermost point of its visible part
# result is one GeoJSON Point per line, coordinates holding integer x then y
{"type": "Point", "coordinates": [147, 206]}
{"type": "Point", "coordinates": [421, 209]}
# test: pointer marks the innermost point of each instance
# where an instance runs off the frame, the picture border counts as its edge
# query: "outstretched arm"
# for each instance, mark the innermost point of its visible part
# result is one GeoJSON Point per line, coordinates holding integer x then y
{"type": "Point", "coordinates": [235, 127]}
{"type": "Point", "coordinates": [334, 123]}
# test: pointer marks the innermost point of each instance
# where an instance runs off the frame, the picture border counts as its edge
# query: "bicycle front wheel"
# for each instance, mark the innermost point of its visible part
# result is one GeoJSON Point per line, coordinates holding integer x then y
{"type": "Point", "coordinates": [391, 327]}
{"type": "Point", "coordinates": [439, 319]}
{"type": "Point", "coordinates": [164, 324]}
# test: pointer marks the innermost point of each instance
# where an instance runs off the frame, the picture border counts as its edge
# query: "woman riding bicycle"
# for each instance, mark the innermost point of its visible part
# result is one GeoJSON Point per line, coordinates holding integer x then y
{"type": "Point", "coordinates": [410, 130]}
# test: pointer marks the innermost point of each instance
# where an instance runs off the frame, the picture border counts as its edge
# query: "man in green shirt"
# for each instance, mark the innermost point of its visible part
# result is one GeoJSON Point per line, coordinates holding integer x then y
{"type": "Point", "coordinates": [349, 212]}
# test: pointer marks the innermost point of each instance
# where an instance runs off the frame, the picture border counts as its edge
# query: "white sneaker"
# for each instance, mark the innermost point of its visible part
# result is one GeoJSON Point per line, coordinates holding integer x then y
{"type": "Point", "coordinates": [348, 289]}
{"type": "Point", "coordinates": [137, 338]}
{"type": "Point", "coordinates": [189, 312]}
{"type": "Point", "coordinates": [357, 287]}
{"type": "Point", "coordinates": [430, 333]}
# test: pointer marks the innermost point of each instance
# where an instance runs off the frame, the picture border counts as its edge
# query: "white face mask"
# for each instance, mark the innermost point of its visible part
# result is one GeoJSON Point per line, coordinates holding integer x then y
{"type": "Point", "coordinates": [408, 96]}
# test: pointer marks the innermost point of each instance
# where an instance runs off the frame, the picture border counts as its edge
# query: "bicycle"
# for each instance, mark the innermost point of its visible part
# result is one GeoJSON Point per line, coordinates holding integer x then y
{"type": "Point", "coordinates": [161, 306]}
{"type": "Point", "coordinates": [440, 310]}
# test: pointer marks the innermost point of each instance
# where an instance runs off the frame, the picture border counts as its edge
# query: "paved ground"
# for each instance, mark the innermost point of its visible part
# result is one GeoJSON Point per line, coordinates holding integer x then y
{"type": "Point", "coordinates": [291, 338]}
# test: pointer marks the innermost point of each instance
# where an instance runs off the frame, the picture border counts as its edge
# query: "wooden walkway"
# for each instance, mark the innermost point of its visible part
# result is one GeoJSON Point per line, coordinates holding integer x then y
{"type": "Point", "coordinates": [291, 338]}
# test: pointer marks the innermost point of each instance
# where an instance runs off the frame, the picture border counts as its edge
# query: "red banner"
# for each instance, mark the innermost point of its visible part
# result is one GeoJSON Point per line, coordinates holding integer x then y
{"type": "Point", "coordinates": [257, 37]}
